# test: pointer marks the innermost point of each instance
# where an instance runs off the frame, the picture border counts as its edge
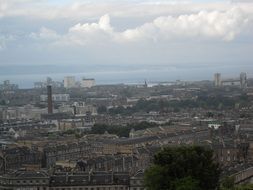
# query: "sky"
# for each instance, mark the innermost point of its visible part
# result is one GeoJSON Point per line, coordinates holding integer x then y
{"type": "Point", "coordinates": [125, 40]}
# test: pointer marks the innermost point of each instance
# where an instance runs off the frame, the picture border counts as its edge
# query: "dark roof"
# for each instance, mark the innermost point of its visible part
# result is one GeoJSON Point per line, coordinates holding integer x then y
{"type": "Point", "coordinates": [92, 178]}
{"type": "Point", "coordinates": [145, 139]}
{"type": "Point", "coordinates": [29, 174]}
{"type": "Point", "coordinates": [139, 174]}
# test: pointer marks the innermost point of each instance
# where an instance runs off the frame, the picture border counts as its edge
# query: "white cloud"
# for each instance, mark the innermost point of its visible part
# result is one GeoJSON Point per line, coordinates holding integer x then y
{"type": "Point", "coordinates": [83, 34]}
{"type": "Point", "coordinates": [166, 32]}
{"type": "Point", "coordinates": [45, 34]}
{"type": "Point", "coordinates": [76, 10]}
{"type": "Point", "coordinates": [4, 39]}
{"type": "Point", "coordinates": [3, 8]}
{"type": "Point", "coordinates": [217, 25]}
{"type": "Point", "coordinates": [2, 43]}
{"type": "Point", "coordinates": [103, 25]}
{"type": "Point", "coordinates": [221, 25]}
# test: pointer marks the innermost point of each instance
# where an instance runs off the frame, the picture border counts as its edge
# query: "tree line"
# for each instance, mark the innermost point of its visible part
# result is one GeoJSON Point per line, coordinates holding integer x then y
{"type": "Point", "coordinates": [206, 102]}
{"type": "Point", "coordinates": [121, 131]}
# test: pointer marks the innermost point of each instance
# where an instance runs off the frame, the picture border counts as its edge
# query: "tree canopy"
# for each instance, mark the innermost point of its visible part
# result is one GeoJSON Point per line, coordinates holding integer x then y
{"type": "Point", "coordinates": [122, 131]}
{"type": "Point", "coordinates": [228, 184]}
{"type": "Point", "coordinates": [205, 102]}
{"type": "Point", "coordinates": [183, 168]}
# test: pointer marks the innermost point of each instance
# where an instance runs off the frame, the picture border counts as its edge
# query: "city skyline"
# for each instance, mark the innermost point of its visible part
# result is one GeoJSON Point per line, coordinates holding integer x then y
{"type": "Point", "coordinates": [81, 80]}
{"type": "Point", "coordinates": [189, 39]}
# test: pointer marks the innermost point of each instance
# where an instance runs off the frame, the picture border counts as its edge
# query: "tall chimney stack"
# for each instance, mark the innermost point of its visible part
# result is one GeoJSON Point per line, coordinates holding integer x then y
{"type": "Point", "coordinates": [49, 99]}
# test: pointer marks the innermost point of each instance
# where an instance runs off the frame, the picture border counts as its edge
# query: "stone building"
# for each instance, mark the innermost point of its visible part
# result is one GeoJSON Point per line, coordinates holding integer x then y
{"type": "Point", "coordinates": [41, 180]}
{"type": "Point", "coordinates": [24, 180]}
{"type": "Point", "coordinates": [71, 151]}
{"type": "Point", "coordinates": [18, 157]}
{"type": "Point", "coordinates": [137, 181]}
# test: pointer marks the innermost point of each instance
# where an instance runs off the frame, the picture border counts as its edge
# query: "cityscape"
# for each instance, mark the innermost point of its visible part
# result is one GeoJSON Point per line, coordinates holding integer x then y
{"type": "Point", "coordinates": [126, 95]}
{"type": "Point", "coordinates": [76, 134]}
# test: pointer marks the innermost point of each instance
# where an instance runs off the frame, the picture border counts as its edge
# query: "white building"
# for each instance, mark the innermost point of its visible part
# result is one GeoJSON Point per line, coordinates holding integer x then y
{"type": "Point", "coordinates": [56, 97]}
{"type": "Point", "coordinates": [231, 82]}
{"type": "Point", "coordinates": [238, 82]}
{"type": "Point", "coordinates": [24, 112]}
{"type": "Point", "coordinates": [87, 83]}
{"type": "Point", "coordinates": [243, 80]}
{"type": "Point", "coordinates": [79, 108]}
{"type": "Point", "coordinates": [217, 79]}
{"type": "Point", "coordinates": [69, 82]}
{"type": "Point", "coordinates": [214, 126]}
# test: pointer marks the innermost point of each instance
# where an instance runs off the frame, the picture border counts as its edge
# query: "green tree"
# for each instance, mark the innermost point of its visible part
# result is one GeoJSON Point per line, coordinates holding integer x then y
{"type": "Point", "coordinates": [122, 131]}
{"type": "Point", "coordinates": [187, 183]}
{"type": "Point", "coordinates": [244, 187]}
{"type": "Point", "coordinates": [183, 168]}
{"type": "Point", "coordinates": [227, 183]}
{"type": "Point", "coordinates": [102, 109]}
{"type": "Point", "coordinates": [2, 102]}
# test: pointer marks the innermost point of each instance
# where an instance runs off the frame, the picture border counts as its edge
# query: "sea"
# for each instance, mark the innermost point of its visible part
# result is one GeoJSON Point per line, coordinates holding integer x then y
{"type": "Point", "coordinates": [25, 76]}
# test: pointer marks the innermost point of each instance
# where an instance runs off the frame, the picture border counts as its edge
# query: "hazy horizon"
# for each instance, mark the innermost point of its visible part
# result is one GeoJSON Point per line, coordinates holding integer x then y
{"type": "Point", "coordinates": [130, 75]}
{"type": "Point", "coordinates": [125, 40]}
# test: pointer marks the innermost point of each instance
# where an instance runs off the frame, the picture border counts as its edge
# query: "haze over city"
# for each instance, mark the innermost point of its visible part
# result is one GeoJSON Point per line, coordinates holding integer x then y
{"type": "Point", "coordinates": [111, 40]}
{"type": "Point", "coordinates": [126, 94]}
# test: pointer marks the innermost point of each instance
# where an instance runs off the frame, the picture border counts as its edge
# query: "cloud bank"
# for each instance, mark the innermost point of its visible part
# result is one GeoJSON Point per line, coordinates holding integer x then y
{"type": "Point", "coordinates": [75, 10]}
{"type": "Point", "coordinates": [124, 32]}
{"type": "Point", "coordinates": [205, 25]}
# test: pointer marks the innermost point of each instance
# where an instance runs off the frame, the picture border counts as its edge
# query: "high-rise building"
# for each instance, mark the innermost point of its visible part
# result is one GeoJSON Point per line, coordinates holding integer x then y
{"type": "Point", "coordinates": [8, 86]}
{"type": "Point", "coordinates": [217, 79]}
{"type": "Point", "coordinates": [69, 82]}
{"type": "Point", "coordinates": [87, 83]}
{"type": "Point", "coordinates": [243, 80]}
